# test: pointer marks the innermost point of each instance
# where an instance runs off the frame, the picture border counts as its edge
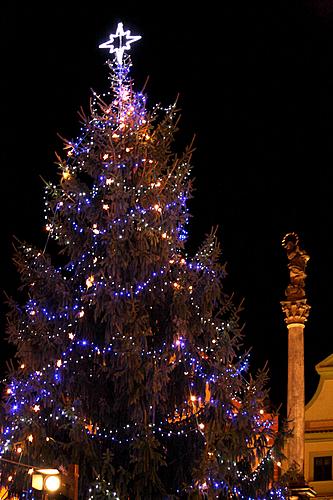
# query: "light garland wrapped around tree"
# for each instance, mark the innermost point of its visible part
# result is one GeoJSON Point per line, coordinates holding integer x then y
{"type": "Point", "coordinates": [128, 353]}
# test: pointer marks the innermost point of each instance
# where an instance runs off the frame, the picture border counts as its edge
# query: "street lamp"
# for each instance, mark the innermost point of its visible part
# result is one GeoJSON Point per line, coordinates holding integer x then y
{"type": "Point", "coordinates": [48, 480]}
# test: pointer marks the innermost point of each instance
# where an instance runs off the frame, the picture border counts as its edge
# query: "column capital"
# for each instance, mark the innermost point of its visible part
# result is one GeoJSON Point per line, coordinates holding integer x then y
{"type": "Point", "coordinates": [296, 311]}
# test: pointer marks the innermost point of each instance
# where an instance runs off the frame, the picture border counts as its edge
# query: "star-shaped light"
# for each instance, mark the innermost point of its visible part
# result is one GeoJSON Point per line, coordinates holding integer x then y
{"type": "Point", "coordinates": [123, 43]}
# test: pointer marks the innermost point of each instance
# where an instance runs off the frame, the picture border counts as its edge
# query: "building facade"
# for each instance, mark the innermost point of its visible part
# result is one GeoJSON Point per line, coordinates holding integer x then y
{"type": "Point", "coordinates": [318, 435]}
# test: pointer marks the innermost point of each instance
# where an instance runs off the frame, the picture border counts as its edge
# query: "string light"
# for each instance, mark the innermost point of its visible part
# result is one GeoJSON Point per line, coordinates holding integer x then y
{"type": "Point", "coordinates": [153, 191]}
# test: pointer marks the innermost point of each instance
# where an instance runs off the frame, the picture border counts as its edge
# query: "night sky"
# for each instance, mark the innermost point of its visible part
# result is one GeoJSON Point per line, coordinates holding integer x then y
{"type": "Point", "coordinates": [255, 85]}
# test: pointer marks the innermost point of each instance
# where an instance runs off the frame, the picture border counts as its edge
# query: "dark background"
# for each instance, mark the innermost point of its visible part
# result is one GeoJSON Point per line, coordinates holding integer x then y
{"type": "Point", "coordinates": [255, 86]}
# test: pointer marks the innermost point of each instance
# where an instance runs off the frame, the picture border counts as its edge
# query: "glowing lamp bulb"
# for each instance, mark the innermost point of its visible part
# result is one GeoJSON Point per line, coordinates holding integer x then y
{"type": "Point", "coordinates": [52, 483]}
{"type": "Point", "coordinates": [66, 175]}
{"type": "Point", "coordinates": [59, 363]}
{"type": "Point", "coordinates": [90, 281]}
{"type": "Point", "coordinates": [36, 408]}
{"type": "Point", "coordinates": [8, 391]}
{"type": "Point", "coordinates": [19, 450]}
{"type": "Point", "coordinates": [30, 438]}
{"type": "Point", "coordinates": [261, 412]}
{"type": "Point", "coordinates": [193, 398]}
{"type": "Point", "coordinates": [201, 426]}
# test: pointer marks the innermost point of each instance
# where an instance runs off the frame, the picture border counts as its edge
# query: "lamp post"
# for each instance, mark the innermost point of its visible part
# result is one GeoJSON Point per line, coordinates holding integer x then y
{"type": "Point", "coordinates": [52, 480]}
{"type": "Point", "coordinates": [47, 481]}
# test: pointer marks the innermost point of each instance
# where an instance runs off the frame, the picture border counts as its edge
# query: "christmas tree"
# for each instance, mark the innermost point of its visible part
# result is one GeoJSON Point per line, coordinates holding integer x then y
{"type": "Point", "coordinates": [128, 349]}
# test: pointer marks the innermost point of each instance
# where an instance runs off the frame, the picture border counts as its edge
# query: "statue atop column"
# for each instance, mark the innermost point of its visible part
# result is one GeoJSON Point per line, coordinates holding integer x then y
{"type": "Point", "coordinates": [298, 259]}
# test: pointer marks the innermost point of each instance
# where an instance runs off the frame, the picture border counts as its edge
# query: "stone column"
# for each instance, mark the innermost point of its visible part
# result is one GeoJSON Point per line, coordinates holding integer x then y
{"type": "Point", "coordinates": [296, 311]}
{"type": "Point", "coordinates": [296, 314]}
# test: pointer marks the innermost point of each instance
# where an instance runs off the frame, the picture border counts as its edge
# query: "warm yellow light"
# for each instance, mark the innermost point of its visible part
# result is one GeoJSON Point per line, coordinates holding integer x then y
{"type": "Point", "coordinates": [193, 398]}
{"type": "Point", "coordinates": [30, 472]}
{"type": "Point", "coordinates": [71, 335]}
{"type": "Point", "coordinates": [22, 366]}
{"type": "Point", "coordinates": [19, 449]}
{"type": "Point", "coordinates": [164, 235]}
{"type": "Point", "coordinates": [36, 408]}
{"type": "Point", "coordinates": [30, 438]}
{"type": "Point", "coordinates": [37, 481]}
{"type": "Point", "coordinates": [10, 478]}
{"type": "Point", "coordinates": [261, 412]}
{"type": "Point", "coordinates": [52, 483]}
{"type": "Point", "coordinates": [59, 363]}
{"type": "Point", "coordinates": [278, 464]}
{"type": "Point", "coordinates": [201, 426]}
{"type": "Point", "coordinates": [66, 175]}
{"type": "Point", "coordinates": [157, 208]}
{"type": "Point", "coordinates": [48, 472]}
{"type": "Point", "coordinates": [8, 391]}
{"type": "Point", "coordinates": [89, 281]}
{"type": "Point", "coordinates": [3, 492]}
{"type": "Point", "coordinates": [106, 206]}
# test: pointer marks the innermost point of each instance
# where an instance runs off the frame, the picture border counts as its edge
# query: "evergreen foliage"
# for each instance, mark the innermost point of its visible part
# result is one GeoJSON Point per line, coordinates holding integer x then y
{"type": "Point", "coordinates": [129, 355]}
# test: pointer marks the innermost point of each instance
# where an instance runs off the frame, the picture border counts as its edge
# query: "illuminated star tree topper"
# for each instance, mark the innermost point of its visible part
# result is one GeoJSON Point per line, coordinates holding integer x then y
{"type": "Point", "coordinates": [119, 42]}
